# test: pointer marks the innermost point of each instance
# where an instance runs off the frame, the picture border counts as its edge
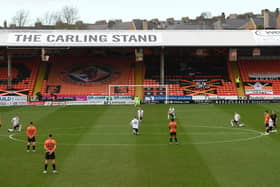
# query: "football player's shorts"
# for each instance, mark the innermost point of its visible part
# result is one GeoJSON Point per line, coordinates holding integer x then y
{"type": "Point", "coordinates": [50, 156]}
{"type": "Point", "coordinates": [29, 139]}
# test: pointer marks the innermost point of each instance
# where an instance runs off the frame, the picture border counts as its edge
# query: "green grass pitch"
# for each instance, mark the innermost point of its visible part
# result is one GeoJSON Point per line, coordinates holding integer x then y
{"type": "Point", "coordinates": [95, 147]}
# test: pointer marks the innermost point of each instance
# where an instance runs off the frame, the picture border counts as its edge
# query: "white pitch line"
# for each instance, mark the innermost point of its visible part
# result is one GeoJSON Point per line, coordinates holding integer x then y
{"type": "Point", "coordinates": [191, 126]}
{"type": "Point", "coordinates": [155, 134]}
{"type": "Point", "coordinates": [11, 136]}
{"type": "Point", "coordinates": [183, 133]}
{"type": "Point", "coordinates": [167, 144]}
{"type": "Point", "coordinates": [229, 141]}
{"type": "Point", "coordinates": [186, 143]}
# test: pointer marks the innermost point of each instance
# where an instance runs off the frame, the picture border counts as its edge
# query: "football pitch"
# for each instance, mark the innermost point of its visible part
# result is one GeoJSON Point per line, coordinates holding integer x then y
{"type": "Point", "coordinates": [96, 147]}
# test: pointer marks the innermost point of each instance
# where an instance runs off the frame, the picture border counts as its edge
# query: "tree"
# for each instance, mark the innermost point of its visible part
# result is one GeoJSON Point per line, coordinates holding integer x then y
{"type": "Point", "coordinates": [206, 15]}
{"type": "Point", "coordinates": [69, 14]}
{"type": "Point", "coordinates": [50, 18]}
{"type": "Point", "coordinates": [21, 18]}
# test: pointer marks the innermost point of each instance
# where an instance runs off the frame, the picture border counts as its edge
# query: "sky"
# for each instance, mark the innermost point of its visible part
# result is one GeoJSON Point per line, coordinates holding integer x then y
{"type": "Point", "coordinates": [94, 10]}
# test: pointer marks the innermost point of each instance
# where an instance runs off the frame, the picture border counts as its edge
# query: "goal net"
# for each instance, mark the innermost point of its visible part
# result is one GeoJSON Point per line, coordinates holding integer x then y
{"type": "Point", "coordinates": [150, 93]}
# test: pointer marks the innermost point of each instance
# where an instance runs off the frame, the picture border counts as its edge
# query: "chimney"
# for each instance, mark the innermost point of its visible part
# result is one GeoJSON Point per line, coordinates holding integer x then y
{"type": "Point", "coordinates": [223, 15]}
{"type": "Point", "coordinates": [277, 11]}
{"type": "Point", "coordinates": [155, 21]}
{"type": "Point", "coordinates": [38, 24]}
{"type": "Point", "coordinates": [170, 21]}
{"type": "Point", "coordinates": [59, 23]}
{"type": "Point", "coordinates": [218, 25]}
{"type": "Point", "coordinates": [13, 26]}
{"type": "Point", "coordinates": [111, 23]}
{"type": "Point", "coordinates": [101, 22]}
{"type": "Point", "coordinates": [118, 21]}
{"type": "Point", "coordinates": [222, 19]}
{"type": "Point", "coordinates": [232, 16]}
{"type": "Point", "coordinates": [265, 18]}
{"type": "Point", "coordinates": [278, 21]}
{"type": "Point", "coordinates": [185, 19]}
{"type": "Point", "coordinates": [5, 24]}
{"type": "Point", "coordinates": [145, 25]}
{"type": "Point", "coordinates": [132, 26]}
{"type": "Point", "coordinates": [79, 23]}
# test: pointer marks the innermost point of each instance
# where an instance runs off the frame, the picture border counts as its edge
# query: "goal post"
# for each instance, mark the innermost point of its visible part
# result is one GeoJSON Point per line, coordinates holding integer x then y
{"type": "Point", "coordinates": [156, 90]}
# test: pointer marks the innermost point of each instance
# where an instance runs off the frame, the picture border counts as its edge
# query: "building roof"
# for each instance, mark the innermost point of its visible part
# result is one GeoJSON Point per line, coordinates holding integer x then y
{"type": "Point", "coordinates": [272, 20]}
{"type": "Point", "coordinates": [259, 20]}
{"type": "Point", "coordinates": [183, 26]}
{"type": "Point", "coordinates": [122, 25]}
{"type": "Point", "coordinates": [138, 24]}
{"type": "Point", "coordinates": [235, 23]}
{"type": "Point", "coordinates": [97, 26]}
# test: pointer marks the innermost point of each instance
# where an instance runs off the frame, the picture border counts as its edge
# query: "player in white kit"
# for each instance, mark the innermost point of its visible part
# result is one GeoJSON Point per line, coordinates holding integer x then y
{"type": "Point", "coordinates": [140, 114]}
{"type": "Point", "coordinates": [15, 124]}
{"type": "Point", "coordinates": [171, 113]}
{"type": "Point", "coordinates": [236, 120]}
{"type": "Point", "coordinates": [271, 126]}
{"type": "Point", "coordinates": [135, 125]}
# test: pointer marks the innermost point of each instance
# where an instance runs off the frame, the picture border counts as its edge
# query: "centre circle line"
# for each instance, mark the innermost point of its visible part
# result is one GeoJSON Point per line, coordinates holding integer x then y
{"type": "Point", "coordinates": [188, 143]}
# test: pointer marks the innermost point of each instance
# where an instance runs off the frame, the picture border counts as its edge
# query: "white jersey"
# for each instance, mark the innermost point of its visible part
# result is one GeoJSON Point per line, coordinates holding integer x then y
{"type": "Point", "coordinates": [270, 122]}
{"type": "Point", "coordinates": [171, 110]}
{"type": "Point", "coordinates": [134, 123]}
{"type": "Point", "coordinates": [140, 113]}
{"type": "Point", "coordinates": [15, 120]}
{"type": "Point", "coordinates": [236, 117]}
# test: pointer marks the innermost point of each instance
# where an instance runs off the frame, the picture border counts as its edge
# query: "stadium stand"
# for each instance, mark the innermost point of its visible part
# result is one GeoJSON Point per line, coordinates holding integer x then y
{"type": "Point", "coordinates": [192, 76]}
{"type": "Point", "coordinates": [24, 72]}
{"type": "Point", "coordinates": [266, 71]}
{"type": "Point", "coordinates": [260, 69]}
{"type": "Point", "coordinates": [82, 76]}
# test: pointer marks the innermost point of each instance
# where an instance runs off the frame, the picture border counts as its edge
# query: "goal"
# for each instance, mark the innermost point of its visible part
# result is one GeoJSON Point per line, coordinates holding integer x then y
{"type": "Point", "coordinates": [149, 92]}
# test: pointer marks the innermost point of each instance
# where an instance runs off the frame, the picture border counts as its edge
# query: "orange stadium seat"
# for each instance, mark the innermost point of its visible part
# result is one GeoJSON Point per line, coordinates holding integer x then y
{"type": "Point", "coordinates": [81, 76]}
{"type": "Point", "coordinates": [268, 71]}
{"type": "Point", "coordinates": [216, 75]}
{"type": "Point", "coordinates": [24, 72]}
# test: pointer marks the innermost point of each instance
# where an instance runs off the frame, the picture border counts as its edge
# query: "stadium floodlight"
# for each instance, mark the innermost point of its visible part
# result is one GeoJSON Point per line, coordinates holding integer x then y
{"type": "Point", "coordinates": [130, 90]}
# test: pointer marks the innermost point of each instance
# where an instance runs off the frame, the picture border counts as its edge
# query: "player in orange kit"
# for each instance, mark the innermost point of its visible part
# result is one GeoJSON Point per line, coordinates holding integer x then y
{"type": "Point", "coordinates": [31, 132]}
{"type": "Point", "coordinates": [172, 130]}
{"type": "Point", "coordinates": [266, 122]}
{"type": "Point", "coordinates": [50, 146]}
{"type": "Point", "coordinates": [0, 120]}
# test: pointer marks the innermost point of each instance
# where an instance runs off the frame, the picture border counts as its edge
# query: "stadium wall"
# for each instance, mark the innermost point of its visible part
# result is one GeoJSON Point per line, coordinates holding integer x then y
{"type": "Point", "coordinates": [103, 100]}
{"type": "Point", "coordinates": [122, 38]}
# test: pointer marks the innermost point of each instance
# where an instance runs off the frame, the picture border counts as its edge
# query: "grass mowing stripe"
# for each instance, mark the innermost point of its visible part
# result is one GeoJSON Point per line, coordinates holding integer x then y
{"type": "Point", "coordinates": [26, 165]}
{"type": "Point", "coordinates": [141, 163]}
{"type": "Point", "coordinates": [88, 157]}
{"type": "Point", "coordinates": [190, 158]}
{"type": "Point", "coordinates": [239, 155]}
{"type": "Point", "coordinates": [63, 119]}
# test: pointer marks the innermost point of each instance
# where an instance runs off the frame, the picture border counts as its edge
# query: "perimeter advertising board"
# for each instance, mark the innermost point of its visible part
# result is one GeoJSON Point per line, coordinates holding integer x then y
{"type": "Point", "coordinates": [13, 100]}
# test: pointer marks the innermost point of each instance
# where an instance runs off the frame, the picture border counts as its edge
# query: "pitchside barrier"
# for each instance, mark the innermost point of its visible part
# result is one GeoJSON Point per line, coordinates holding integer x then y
{"type": "Point", "coordinates": [156, 92]}
{"type": "Point", "coordinates": [128, 100]}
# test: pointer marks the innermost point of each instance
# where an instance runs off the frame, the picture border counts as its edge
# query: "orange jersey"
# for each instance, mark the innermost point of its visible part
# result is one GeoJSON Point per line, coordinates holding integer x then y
{"type": "Point", "coordinates": [172, 126]}
{"type": "Point", "coordinates": [50, 145]}
{"type": "Point", "coordinates": [31, 131]}
{"type": "Point", "coordinates": [266, 118]}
